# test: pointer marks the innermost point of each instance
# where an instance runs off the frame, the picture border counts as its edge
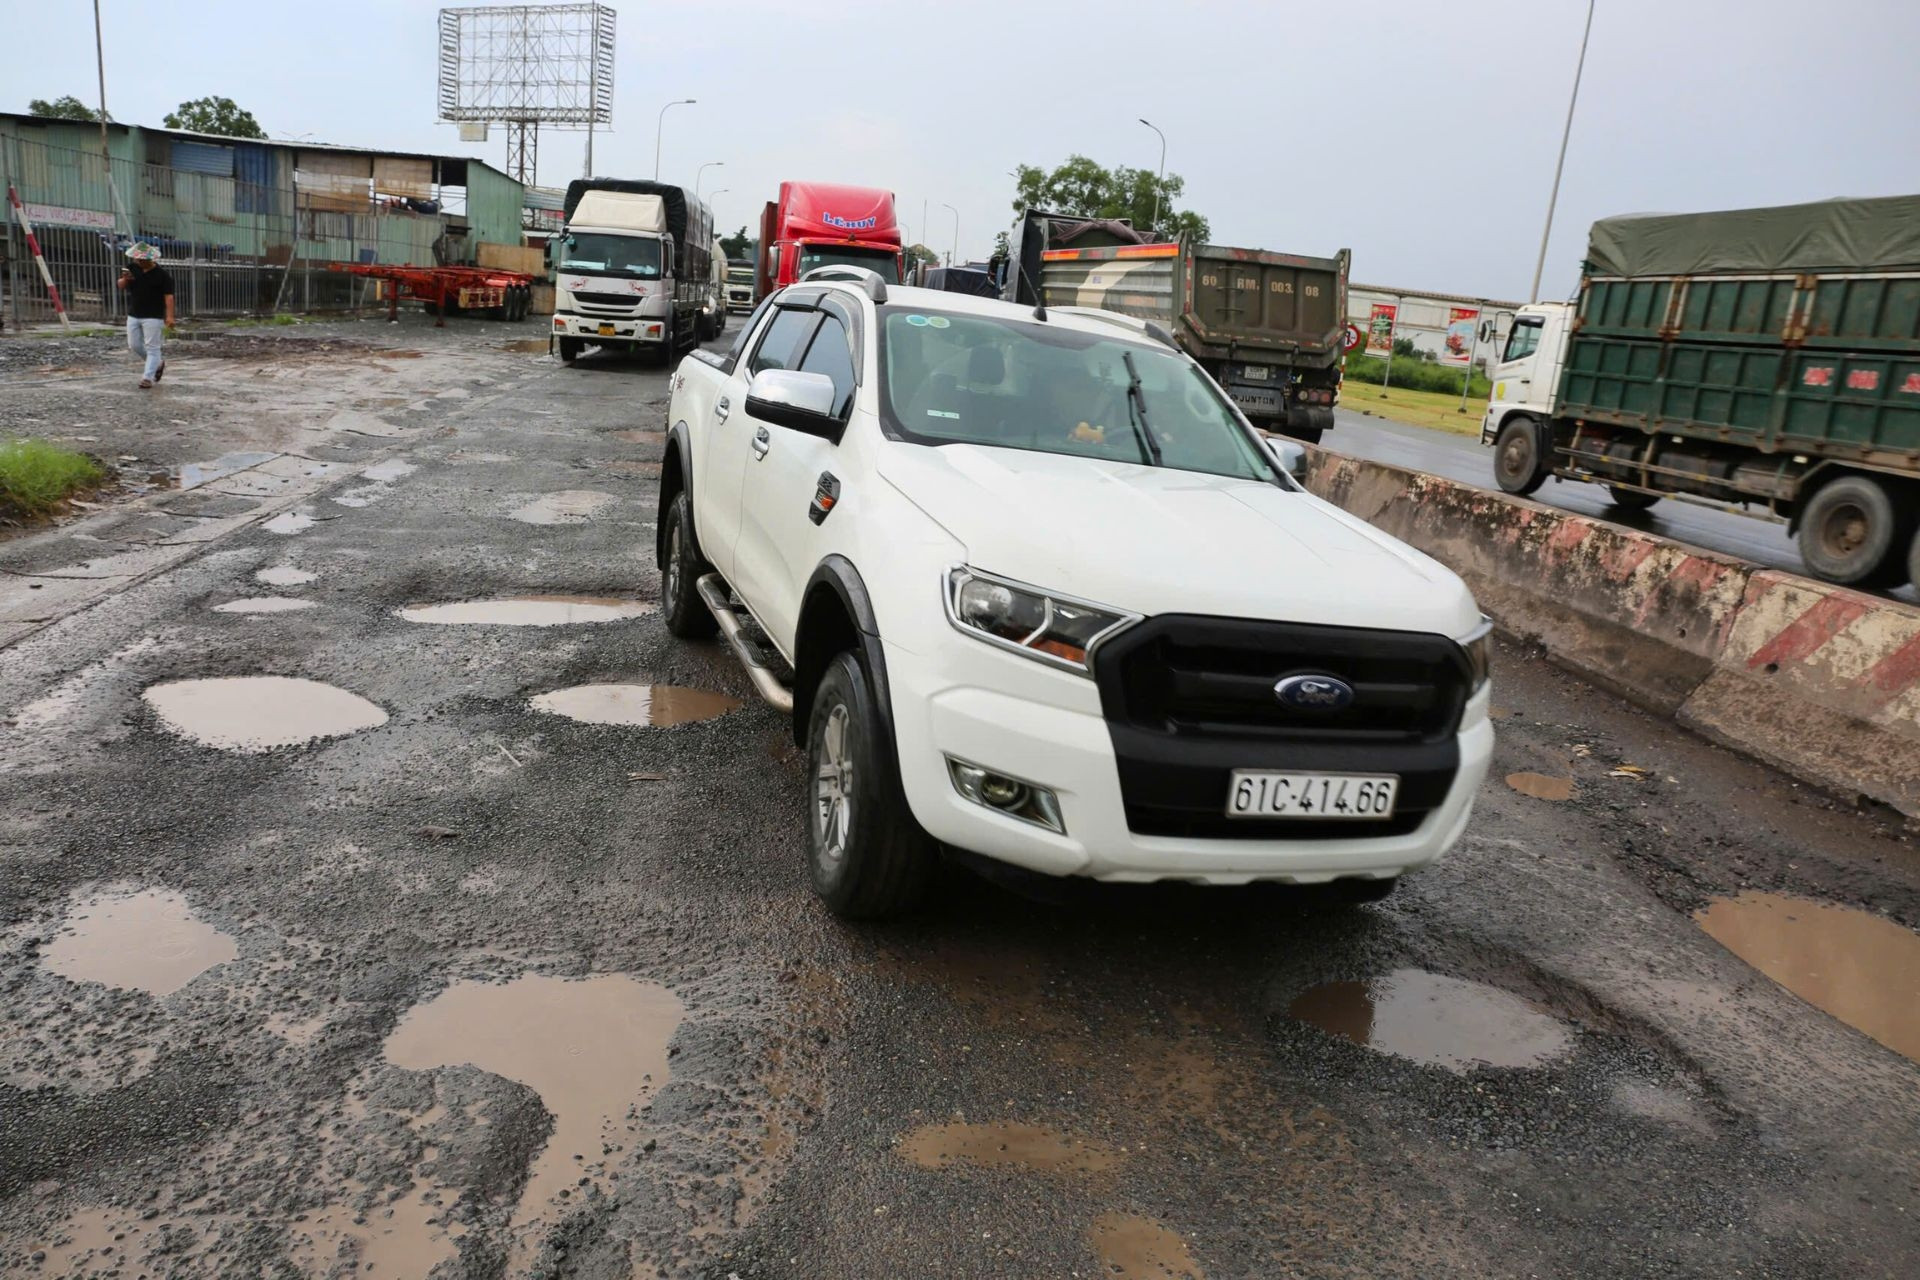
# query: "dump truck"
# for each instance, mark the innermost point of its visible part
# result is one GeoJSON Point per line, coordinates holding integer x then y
{"type": "Point", "coordinates": [1267, 326]}
{"type": "Point", "coordinates": [1763, 357]}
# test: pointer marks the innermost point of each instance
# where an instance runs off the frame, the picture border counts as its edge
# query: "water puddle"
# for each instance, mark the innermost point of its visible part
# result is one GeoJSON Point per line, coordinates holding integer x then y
{"type": "Point", "coordinates": [526, 344]}
{"type": "Point", "coordinates": [1005, 1145]}
{"type": "Point", "coordinates": [528, 611]}
{"type": "Point", "coordinates": [289, 522]}
{"type": "Point", "coordinates": [258, 713]}
{"type": "Point", "coordinates": [569, 506]}
{"type": "Point", "coordinates": [143, 941]}
{"type": "Point", "coordinates": [639, 437]}
{"type": "Point", "coordinates": [1540, 786]}
{"type": "Point", "coordinates": [402, 1238]}
{"type": "Point", "coordinates": [1131, 1246]}
{"type": "Point", "coordinates": [391, 469]}
{"type": "Point", "coordinates": [284, 575]}
{"type": "Point", "coordinates": [1434, 1019]}
{"type": "Point", "coordinates": [263, 604]}
{"type": "Point", "coordinates": [195, 474]}
{"type": "Point", "coordinates": [594, 1049]}
{"type": "Point", "coordinates": [1859, 967]}
{"type": "Point", "coordinates": [656, 705]}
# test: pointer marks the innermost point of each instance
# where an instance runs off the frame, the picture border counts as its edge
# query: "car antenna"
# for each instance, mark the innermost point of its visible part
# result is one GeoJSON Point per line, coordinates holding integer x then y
{"type": "Point", "coordinates": [1039, 303]}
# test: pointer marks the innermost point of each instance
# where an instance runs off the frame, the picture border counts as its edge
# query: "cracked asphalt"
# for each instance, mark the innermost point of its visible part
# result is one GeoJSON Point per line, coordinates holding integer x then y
{"type": "Point", "coordinates": [472, 988]}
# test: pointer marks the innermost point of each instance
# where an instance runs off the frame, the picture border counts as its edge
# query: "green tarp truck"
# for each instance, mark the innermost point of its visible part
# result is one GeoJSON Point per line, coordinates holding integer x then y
{"type": "Point", "coordinates": [1767, 357]}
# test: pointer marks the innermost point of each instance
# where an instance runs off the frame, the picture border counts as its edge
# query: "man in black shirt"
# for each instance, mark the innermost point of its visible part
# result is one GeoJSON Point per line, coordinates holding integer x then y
{"type": "Point", "coordinates": [149, 291]}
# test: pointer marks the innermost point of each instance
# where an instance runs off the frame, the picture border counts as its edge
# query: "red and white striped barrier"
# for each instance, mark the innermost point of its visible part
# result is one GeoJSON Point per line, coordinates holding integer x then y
{"type": "Point", "coordinates": [39, 259]}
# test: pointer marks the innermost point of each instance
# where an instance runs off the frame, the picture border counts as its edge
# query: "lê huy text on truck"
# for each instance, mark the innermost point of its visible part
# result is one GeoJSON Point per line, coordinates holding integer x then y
{"type": "Point", "coordinates": [824, 224]}
{"type": "Point", "coordinates": [1766, 357]}
{"type": "Point", "coordinates": [631, 267]}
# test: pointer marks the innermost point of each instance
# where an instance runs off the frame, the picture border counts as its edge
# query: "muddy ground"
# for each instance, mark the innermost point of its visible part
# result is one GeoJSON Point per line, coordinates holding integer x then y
{"type": "Point", "coordinates": [516, 974]}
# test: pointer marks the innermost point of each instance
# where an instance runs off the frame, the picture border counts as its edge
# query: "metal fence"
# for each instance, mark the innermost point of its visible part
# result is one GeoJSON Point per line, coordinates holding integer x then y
{"type": "Point", "coordinates": [233, 247]}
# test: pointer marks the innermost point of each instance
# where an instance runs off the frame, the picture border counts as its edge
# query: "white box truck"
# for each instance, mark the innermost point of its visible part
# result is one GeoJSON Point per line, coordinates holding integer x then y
{"type": "Point", "coordinates": [631, 267]}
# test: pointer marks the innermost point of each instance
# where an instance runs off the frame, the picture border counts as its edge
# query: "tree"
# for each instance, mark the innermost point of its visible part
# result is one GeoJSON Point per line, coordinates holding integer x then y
{"type": "Point", "coordinates": [1081, 186]}
{"type": "Point", "coordinates": [920, 253]}
{"type": "Point", "coordinates": [738, 247]}
{"type": "Point", "coordinates": [215, 115]}
{"type": "Point", "coordinates": [63, 108]}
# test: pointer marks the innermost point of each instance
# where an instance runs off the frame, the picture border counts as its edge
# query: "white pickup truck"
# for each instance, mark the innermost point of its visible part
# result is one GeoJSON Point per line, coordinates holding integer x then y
{"type": "Point", "coordinates": [1033, 590]}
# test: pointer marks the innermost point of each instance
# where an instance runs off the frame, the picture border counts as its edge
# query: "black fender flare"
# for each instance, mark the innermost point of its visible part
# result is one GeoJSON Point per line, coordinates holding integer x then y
{"type": "Point", "coordinates": [675, 460]}
{"type": "Point", "coordinates": [836, 574]}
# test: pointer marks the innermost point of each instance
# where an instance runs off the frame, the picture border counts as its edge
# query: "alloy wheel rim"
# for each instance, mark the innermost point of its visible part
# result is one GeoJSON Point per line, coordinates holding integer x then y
{"type": "Point", "coordinates": [833, 783]}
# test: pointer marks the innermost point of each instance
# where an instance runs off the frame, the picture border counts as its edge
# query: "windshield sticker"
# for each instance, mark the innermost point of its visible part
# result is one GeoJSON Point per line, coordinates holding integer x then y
{"type": "Point", "coordinates": [937, 322]}
{"type": "Point", "coordinates": [942, 413]}
{"type": "Point", "coordinates": [920, 321]}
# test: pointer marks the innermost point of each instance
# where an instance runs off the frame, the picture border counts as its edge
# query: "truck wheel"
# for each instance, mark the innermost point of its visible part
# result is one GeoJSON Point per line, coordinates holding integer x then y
{"type": "Point", "coordinates": [1851, 533]}
{"type": "Point", "coordinates": [687, 614]}
{"type": "Point", "coordinates": [1913, 560]}
{"type": "Point", "coordinates": [1519, 463]}
{"type": "Point", "coordinates": [866, 855]}
{"type": "Point", "coordinates": [1306, 435]}
{"type": "Point", "coordinates": [1631, 499]}
{"type": "Point", "coordinates": [569, 350]}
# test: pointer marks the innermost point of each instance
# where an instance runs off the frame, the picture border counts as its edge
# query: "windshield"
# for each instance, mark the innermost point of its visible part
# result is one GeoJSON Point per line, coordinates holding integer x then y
{"type": "Point", "coordinates": [739, 275]}
{"type": "Point", "coordinates": [883, 261]}
{"type": "Point", "coordinates": [609, 255]}
{"type": "Point", "coordinates": [948, 379]}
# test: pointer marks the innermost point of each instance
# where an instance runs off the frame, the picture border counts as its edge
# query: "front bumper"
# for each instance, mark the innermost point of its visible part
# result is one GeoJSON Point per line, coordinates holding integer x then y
{"type": "Point", "coordinates": [1011, 715]}
{"type": "Point", "coordinates": [629, 330]}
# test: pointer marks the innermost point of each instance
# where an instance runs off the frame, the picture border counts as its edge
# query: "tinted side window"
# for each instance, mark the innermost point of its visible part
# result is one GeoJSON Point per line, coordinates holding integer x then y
{"type": "Point", "coordinates": [739, 346]}
{"type": "Point", "coordinates": [1524, 340]}
{"type": "Point", "coordinates": [786, 339]}
{"type": "Point", "coordinates": [831, 355]}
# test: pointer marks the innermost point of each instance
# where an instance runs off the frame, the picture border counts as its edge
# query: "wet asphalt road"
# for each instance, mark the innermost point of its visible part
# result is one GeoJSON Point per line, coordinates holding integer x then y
{"type": "Point", "coordinates": [469, 934]}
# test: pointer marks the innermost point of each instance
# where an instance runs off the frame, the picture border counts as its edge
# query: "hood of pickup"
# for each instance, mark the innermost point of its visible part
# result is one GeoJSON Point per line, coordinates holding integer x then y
{"type": "Point", "coordinates": [1156, 540]}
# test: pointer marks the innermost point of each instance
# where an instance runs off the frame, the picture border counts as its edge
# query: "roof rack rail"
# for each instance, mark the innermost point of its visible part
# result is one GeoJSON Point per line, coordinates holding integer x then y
{"type": "Point", "coordinates": [865, 277]}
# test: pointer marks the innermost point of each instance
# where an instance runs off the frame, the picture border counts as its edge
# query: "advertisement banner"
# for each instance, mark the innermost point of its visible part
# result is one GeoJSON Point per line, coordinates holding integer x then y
{"type": "Point", "coordinates": [1380, 329]}
{"type": "Point", "coordinates": [1458, 348]}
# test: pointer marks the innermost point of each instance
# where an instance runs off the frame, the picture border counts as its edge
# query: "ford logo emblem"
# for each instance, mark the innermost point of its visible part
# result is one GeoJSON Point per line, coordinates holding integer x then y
{"type": "Point", "coordinates": [1314, 693]}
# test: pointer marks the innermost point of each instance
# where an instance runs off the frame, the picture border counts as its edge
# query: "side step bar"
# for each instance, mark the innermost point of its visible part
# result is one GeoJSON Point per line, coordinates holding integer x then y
{"type": "Point", "coordinates": [713, 591]}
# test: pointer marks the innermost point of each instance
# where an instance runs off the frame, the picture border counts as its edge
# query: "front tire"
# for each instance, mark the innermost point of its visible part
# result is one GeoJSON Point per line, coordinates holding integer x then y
{"type": "Point", "coordinates": [866, 856]}
{"type": "Point", "coordinates": [1631, 499]}
{"type": "Point", "coordinates": [1853, 533]}
{"type": "Point", "coordinates": [1519, 462]}
{"type": "Point", "coordinates": [687, 614]}
{"type": "Point", "coordinates": [569, 350]}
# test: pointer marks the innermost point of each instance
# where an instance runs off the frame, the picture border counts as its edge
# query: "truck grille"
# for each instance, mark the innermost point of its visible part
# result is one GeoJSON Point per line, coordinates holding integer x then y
{"type": "Point", "coordinates": [625, 303]}
{"type": "Point", "coordinates": [1190, 699]}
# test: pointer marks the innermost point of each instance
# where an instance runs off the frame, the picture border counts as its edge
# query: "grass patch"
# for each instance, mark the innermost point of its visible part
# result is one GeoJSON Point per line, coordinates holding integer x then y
{"type": "Point", "coordinates": [1435, 409]}
{"type": "Point", "coordinates": [280, 319]}
{"type": "Point", "coordinates": [35, 476]}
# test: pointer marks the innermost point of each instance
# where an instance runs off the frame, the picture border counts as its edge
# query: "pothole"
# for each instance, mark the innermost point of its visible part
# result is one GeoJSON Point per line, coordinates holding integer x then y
{"type": "Point", "coordinates": [263, 604]}
{"type": "Point", "coordinates": [284, 575]}
{"type": "Point", "coordinates": [656, 705]}
{"type": "Point", "coordinates": [148, 940]}
{"type": "Point", "coordinates": [404, 1237]}
{"type": "Point", "coordinates": [639, 437]}
{"type": "Point", "coordinates": [594, 1049]}
{"type": "Point", "coordinates": [1541, 786]}
{"type": "Point", "coordinates": [569, 506]}
{"type": "Point", "coordinates": [528, 611]}
{"type": "Point", "coordinates": [387, 472]}
{"type": "Point", "coordinates": [632, 467]}
{"type": "Point", "coordinates": [1129, 1245]}
{"type": "Point", "coordinates": [526, 344]}
{"type": "Point", "coordinates": [1857, 966]}
{"type": "Point", "coordinates": [1436, 1020]}
{"type": "Point", "coordinates": [289, 523]}
{"type": "Point", "coordinates": [258, 713]}
{"type": "Point", "coordinates": [1005, 1145]}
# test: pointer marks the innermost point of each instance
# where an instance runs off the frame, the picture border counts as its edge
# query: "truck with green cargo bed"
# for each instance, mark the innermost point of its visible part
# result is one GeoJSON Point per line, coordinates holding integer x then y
{"type": "Point", "coordinates": [1764, 357]}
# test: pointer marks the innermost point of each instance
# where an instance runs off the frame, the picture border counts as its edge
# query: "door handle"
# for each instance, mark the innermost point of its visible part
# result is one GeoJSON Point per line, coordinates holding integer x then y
{"type": "Point", "coordinates": [762, 441]}
{"type": "Point", "coordinates": [722, 409]}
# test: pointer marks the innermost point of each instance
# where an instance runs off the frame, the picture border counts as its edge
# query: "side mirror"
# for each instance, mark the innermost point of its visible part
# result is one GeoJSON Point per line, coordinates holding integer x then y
{"type": "Point", "coordinates": [800, 401]}
{"type": "Point", "coordinates": [666, 258]}
{"type": "Point", "coordinates": [1292, 457]}
{"type": "Point", "coordinates": [1486, 330]}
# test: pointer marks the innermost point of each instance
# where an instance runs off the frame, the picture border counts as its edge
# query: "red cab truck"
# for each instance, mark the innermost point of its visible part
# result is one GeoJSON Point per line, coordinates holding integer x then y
{"type": "Point", "coordinates": [823, 224]}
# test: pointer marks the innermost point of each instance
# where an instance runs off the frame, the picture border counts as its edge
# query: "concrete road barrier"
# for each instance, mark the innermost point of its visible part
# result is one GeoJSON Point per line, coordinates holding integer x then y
{"type": "Point", "coordinates": [1818, 680]}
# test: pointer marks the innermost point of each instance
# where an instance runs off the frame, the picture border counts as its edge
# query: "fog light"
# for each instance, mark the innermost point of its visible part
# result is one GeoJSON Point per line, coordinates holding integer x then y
{"type": "Point", "coordinates": [1011, 796]}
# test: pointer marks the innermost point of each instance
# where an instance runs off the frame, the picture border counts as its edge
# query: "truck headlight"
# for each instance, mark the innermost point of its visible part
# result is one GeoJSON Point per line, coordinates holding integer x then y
{"type": "Point", "coordinates": [1044, 625]}
{"type": "Point", "coordinates": [1479, 650]}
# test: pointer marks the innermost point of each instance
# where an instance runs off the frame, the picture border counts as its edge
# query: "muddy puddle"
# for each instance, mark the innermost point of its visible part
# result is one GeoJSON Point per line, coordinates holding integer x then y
{"type": "Point", "coordinates": [655, 705]}
{"type": "Point", "coordinates": [1436, 1020]}
{"type": "Point", "coordinates": [594, 1049]}
{"type": "Point", "coordinates": [263, 604]}
{"type": "Point", "coordinates": [289, 523]}
{"type": "Point", "coordinates": [147, 940]}
{"type": "Point", "coordinates": [258, 713]}
{"type": "Point", "coordinates": [284, 575]}
{"type": "Point", "coordinates": [528, 611]}
{"type": "Point", "coordinates": [1132, 1247]}
{"type": "Point", "coordinates": [526, 344]}
{"type": "Point", "coordinates": [639, 437]}
{"type": "Point", "coordinates": [569, 506]}
{"type": "Point", "coordinates": [1541, 786]}
{"type": "Point", "coordinates": [390, 470]}
{"type": "Point", "coordinates": [1005, 1145]}
{"type": "Point", "coordinates": [1859, 967]}
{"type": "Point", "coordinates": [403, 1238]}
{"type": "Point", "coordinates": [194, 474]}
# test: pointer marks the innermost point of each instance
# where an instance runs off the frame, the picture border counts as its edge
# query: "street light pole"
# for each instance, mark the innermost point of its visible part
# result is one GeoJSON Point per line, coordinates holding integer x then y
{"type": "Point", "coordinates": [1540, 266]}
{"type": "Point", "coordinates": [660, 125]}
{"type": "Point", "coordinates": [956, 231]}
{"type": "Point", "coordinates": [1161, 180]}
{"type": "Point", "coordinates": [700, 173]}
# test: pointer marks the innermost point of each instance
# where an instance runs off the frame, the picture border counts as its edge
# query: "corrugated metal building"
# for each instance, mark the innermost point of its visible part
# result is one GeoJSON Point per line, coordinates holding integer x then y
{"type": "Point", "coordinates": [1423, 316]}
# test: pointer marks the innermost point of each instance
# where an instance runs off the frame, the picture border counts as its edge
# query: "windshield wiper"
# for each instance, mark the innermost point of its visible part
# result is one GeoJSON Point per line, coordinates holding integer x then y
{"type": "Point", "coordinates": [1137, 412]}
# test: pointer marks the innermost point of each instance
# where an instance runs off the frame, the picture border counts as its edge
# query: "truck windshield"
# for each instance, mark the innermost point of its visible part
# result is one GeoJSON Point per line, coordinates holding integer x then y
{"type": "Point", "coordinates": [840, 255]}
{"type": "Point", "coordinates": [739, 275]}
{"type": "Point", "coordinates": [970, 379]}
{"type": "Point", "coordinates": [629, 256]}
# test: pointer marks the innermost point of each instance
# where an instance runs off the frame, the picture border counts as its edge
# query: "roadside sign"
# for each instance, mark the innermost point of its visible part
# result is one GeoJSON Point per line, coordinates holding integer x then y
{"type": "Point", "coordinates": [1380, 328]}
{"type": "Point", "coordinates": [1458, 347]}
{"type": "Point", "coordinates": [1351, 339]}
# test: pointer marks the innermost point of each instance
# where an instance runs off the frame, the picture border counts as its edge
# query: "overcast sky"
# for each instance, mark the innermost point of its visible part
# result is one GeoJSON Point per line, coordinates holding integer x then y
{"type": "Point", "coordinates": [1420, 135]}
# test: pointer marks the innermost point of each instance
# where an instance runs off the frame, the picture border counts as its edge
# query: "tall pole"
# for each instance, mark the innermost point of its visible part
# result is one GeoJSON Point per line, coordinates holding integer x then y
{"type": "Point", "coordinates": [1162, 179]}
{"type": "Point", "coordinates": [700, 173]}
{"type": "Point", "coordinates": [1533, 295]}
{"type": "Point", "coordinates": [593, 92]}
{"type": "Point", "coordinates": [106, 149]}
{"type": "Point", "coordinates": [956, 231]}
{"type": "Point", "coordinates": [660, 125]}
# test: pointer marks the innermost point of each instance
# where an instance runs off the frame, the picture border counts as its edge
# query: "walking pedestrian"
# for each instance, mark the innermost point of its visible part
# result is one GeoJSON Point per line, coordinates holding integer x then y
{"type": "Point", "coordinates": [149, 291]}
